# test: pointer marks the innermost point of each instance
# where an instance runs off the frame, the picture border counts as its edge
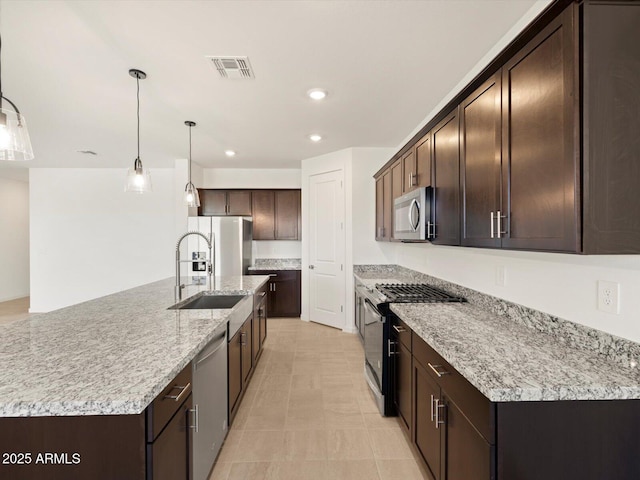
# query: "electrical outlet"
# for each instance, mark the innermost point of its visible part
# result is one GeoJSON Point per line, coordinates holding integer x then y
{"type": "Point", "coordinates": [608, 296]}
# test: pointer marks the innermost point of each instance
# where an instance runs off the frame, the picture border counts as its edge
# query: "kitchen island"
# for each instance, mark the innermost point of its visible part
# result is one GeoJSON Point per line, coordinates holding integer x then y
{"type": "Point", "coordinates": [85, 375]}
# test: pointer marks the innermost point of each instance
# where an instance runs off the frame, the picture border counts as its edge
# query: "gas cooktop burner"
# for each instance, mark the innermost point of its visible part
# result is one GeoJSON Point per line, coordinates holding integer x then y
{"type": "Point", "coordinates": [415, 293]}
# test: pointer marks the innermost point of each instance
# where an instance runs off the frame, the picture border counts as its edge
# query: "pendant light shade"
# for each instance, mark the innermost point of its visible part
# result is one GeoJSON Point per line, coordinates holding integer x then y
{"type": "Point", "coordinates": [15, 144]}
{"type": "Point", "coordinates": [191, 197]}
{"type": "Point", "coordinates": [138, 177]}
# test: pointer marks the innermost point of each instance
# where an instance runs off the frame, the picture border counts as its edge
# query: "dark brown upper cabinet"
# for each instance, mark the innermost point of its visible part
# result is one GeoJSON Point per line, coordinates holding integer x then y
{"type": "Point", "coordinates": [481, 165]}
{"type": "Point", "coordinates": [409, 181]}
{"type": "Point", "coordinates": [384, 206]}
{"type": "Point", "coordinates": [224, 202]}
{"type": "Point", "coordinates": [288, 214]}
{"type": "Point", "coordinates": [264, 214]}
{"type": "Point", "coordinates": [540, 174]}
{"type": "Point", "coordinates": [396, 190]}
{"type": "Point", "coordinates": [416, 165]}
{"type": "Point", "coordinates": [446, 181]}
{"type": "Point", "coordinates": [276, 214]}
{"type": "Point", "coordinates": [611, 116]}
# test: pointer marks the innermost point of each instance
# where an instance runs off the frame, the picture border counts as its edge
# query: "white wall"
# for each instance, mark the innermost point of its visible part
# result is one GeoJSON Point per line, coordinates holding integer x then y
{"type": "Point", "coordinates": [250, 178]}
{"type": "Point", "coordinates": [14, 239]}
{"type": "Point", "coordinates": [277, 249]}
{"type": "Point", "coordinates": [89, 238]}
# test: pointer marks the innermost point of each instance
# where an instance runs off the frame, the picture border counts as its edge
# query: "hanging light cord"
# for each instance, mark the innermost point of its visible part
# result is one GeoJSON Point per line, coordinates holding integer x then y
{"type": "Point", "coordinates": [189, 153]}
{"type": "Point", "coordinates": [138, 110]}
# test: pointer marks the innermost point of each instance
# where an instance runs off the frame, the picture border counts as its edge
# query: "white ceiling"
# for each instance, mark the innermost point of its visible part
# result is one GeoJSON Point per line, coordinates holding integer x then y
{"type": "Point", "coordinates": [386, 64]}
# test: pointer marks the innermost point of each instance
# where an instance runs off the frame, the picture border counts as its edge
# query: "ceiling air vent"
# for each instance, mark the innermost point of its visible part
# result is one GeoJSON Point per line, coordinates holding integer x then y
{"type": "Point", "coordinates": [233, 67]}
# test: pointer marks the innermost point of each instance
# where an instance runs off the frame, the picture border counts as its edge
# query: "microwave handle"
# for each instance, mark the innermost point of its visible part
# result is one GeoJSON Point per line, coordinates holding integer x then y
{"type": "Point", "coordinates": [415, 206]}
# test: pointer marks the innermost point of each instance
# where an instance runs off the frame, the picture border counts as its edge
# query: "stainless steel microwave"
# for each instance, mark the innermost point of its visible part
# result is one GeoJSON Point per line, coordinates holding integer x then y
{"type": "Point", "coordinates": [412, 215]}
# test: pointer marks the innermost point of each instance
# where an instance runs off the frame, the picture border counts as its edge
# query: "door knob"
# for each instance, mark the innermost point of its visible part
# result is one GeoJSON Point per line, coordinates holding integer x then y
{"type": "Point", "coordinates": [311, 267]}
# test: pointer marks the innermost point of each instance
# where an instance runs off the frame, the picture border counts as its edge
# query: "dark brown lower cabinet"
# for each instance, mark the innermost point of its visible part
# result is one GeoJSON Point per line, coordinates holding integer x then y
{"type": "Point", "coordinates": [428, 438]}
{"type": "Point", "coordinates": [169, 456]}
{"type": "Point", "coordinates": [403, 372]}
{"type": "Point", "coordinates": [240, 364]}
{"type": "Point", "coordinates": [467, 453]}
{"type": "Point", "coordinates": [246, 344]}
{"type": "Point", "coordinates": [461, 435]}
{"type": "Point", "coordinates": [234, 367]}
{"type": "Point", "coordinates": [283, 292]}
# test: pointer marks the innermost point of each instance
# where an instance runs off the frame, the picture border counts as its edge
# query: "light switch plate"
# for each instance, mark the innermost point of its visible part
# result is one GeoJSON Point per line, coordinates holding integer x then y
{"type": "Point", "coordinates": [501, 275]}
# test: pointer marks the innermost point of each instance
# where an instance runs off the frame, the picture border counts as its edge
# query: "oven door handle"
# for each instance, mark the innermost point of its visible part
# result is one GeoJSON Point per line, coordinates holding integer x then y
{"type": "Point", "coordinates": [414, 207]}
{"type": "Point", "coordinates": [373, 311]}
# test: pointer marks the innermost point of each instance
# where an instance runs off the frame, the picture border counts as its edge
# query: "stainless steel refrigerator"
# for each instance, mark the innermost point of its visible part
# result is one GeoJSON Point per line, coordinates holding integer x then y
{"type": "Point", "coordinates": [232, 238]}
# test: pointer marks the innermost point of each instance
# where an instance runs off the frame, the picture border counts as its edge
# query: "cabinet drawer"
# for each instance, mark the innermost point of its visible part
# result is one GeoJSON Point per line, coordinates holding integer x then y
{"type": "Point", "coordinates": [476, 407]}
{"type": "Point", "coordinates": [402, 331]}
{"type": "Point", "coordinates": [163, 407]}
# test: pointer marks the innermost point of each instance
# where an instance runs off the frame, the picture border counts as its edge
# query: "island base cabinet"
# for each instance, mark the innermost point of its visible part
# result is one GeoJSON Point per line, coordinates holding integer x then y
{"type": "Point", "coordinates": [169, 457]}
{"type": "Point", "coordinates": [567, 440]}
{"type": "Point", "coordinates": [73, 448]}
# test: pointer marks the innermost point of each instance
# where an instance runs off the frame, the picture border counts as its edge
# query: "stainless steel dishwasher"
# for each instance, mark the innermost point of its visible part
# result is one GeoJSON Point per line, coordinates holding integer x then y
{"type": "Point", "coordinates": [210, 400]}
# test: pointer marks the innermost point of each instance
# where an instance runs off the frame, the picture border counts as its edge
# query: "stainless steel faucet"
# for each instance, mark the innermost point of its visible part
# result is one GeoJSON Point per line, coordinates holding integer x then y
{"type": "Point", "coordinates": [210, 263]}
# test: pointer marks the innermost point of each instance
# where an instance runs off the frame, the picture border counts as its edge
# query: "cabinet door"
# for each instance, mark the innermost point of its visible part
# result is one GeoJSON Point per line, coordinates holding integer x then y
{"type": "Point", "coordinates": [480, 149]}
{"type": "Point", "coordinates": [234, 367]}
{"type": "Point", "coordinates": [403, 384]}
{"type": "Point", "coordinates": [286, 294]}
{"type": "Point", "coordinates": [246, 343]}
{"type": "Point", "coordinates": [380, 208]}
{"type": "Point", "coordinates": [446, 181]}
{"type": "Point", "coordinates": [423, 161]}
{"type": "Point", "coordinates": [239, 202]}
{"type": "Point", "coordinates": [427, 436]}
{"type": "Point", "coordinates": [467, 453]}
{"type": "Point", "coordinates": [255, 339]}
{"type": "Point", "coordinates": [396, 190]}
{"type": "Point", "coordinates": [287, 213]}
{"type": "Point", "coordinates": [612, 147]}
{"type": "Point", "coordinates": [387, 225]}
{"type": "Point", "coordinates": [263, 213]}
{"type": "Point", "coordinates": [410, 180]}
{"type": "Point", "coordinates": [212, 202]}
{"type": "Point", "coordinates": [540, 158]}
{"type": "Point", "coordinates": [169, 456]}
{"type": "Point", "coordinates": [262, 320]}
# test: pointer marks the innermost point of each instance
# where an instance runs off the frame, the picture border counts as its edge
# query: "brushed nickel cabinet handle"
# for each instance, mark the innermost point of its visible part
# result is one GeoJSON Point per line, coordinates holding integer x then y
{"type": "Point", "coordinates": [184, 389]}
{"type": "Point", "coordinates": [492, 229]}
{"type": "Point", "coordinates": [432, 414]}
{"type": "Point", "coordinates": [196, 418]}
{"type": "Point", "coordinates": [438, 420]}
{"type": "Point", "coordinates": [399, 329]}
{"type": "Point", "coordinates": [435, 368]}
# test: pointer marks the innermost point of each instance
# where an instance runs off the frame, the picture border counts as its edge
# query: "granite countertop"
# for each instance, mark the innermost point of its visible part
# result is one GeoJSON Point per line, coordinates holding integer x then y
{"type": "Point", "coordinates": [108, 356]}
{"type": "Point", "coordinates": [277, 264]}
{"type": "Point", "coordinates": [509, 358]}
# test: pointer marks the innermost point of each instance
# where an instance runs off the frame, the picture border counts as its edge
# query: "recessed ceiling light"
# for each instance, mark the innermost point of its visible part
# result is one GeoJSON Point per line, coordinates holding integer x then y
{"type": "Point", "coordinates": [230, 153]}
{"type": "Point", "coordinates": [317, 94]}
{"type": "Point", "coordinates": [315, 137]}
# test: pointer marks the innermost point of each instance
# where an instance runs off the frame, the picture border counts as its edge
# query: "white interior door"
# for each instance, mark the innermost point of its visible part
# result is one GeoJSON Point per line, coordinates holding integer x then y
{"type": "Point", "coordinates": [326, 249]}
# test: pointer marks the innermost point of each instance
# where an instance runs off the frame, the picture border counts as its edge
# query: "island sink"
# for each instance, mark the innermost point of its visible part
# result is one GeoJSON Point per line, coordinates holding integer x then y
{"type": "Point", "coordinates": [210, 302]}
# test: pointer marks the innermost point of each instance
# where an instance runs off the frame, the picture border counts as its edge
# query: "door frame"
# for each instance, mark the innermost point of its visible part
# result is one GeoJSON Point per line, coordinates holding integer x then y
{"type": "Point", "coordinates": [334, 162]}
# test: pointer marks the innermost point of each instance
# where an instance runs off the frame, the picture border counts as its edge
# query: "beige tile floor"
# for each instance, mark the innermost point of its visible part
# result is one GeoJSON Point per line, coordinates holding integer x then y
{"type": "Point", "coordinates": [308, 414]}
{"type": "Point", "coordinates": [14, 310]}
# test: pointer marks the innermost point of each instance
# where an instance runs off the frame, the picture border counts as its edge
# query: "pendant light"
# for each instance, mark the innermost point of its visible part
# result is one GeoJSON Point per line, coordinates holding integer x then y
{"type": "Point", "coordinates": [138, 178]}
{"type": "Point", "coordinates": [15, 144]}
{"type": "Point", "coordinates": [191, 197]}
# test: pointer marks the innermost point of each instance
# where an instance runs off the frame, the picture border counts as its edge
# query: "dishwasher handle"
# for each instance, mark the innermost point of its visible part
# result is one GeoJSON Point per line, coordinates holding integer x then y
{"type": "Point", "coordinates": [222, 339]}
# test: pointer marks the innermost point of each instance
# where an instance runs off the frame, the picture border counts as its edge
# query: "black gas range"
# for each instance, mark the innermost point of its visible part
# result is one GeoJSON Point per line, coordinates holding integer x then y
{"type": "Point", "coordinates": [374, 325]}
